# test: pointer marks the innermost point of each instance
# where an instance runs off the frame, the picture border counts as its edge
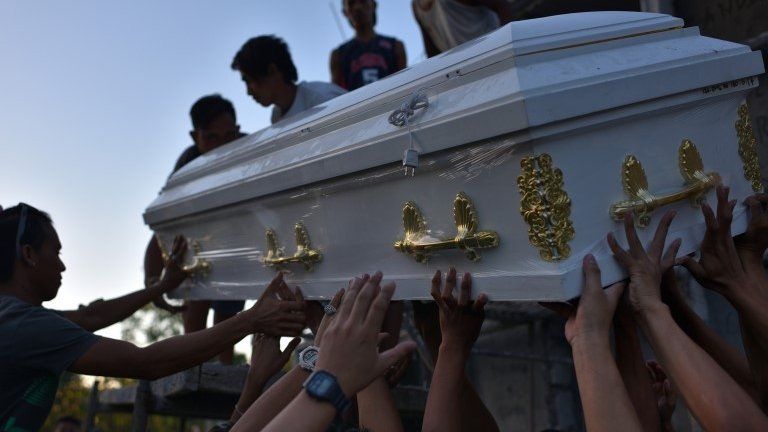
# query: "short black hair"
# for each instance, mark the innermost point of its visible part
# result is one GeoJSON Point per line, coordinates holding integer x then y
{"type": "Point", "coordinates": [207, 108]}
{"type": "Point", "coordinates": [37, 229]}
{"type": "Point", "coordinates": [69, 419]}
{"type": "Point", "coordinates": [258, 53]}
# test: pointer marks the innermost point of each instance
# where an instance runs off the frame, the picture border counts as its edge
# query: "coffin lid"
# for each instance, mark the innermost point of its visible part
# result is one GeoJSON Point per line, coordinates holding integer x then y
{"type": "Point", "coordinates": [526, 74]}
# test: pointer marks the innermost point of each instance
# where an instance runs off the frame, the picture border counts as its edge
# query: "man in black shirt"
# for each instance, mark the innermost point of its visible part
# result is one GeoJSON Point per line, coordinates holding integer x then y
{"type": "Point", "coordinates": [214, 124]}
{"type": "Point", "coordinates": [368, 56]}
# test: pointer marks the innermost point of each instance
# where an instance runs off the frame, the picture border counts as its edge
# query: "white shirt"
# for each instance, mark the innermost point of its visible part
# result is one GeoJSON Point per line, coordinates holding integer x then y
{"type": "Point", "coordinates": [308, 94]}
{"type": "Point", "coordinates": [450, 23]}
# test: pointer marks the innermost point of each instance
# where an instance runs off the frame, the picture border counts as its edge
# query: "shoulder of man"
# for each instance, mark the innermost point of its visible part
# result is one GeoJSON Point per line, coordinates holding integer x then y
{"type": "Point", "coordinates": [188, 155]}
{"type": "Point", "coordinates": [321, 91]}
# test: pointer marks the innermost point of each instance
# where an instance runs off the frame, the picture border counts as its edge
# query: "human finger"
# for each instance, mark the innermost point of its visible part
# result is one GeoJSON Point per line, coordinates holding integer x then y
{"type": "Point", "coordinates": [660, 237]}
{"type": "Point", "coordinates": [378, 307]}
{"type": "Point", "coordinates": [755, 206]}
{"type": "Point", "coordinates": [382, 337]}
{"type": "Point", "coordinates": [364, 298]}
{"type": "Point", "coordinates": [465, 291]}
{"type": "Point", "coordinates": [592, 283]}
{"type": "Point", "coordinates": [696, 270]}
{"type": "Point", "coordinates": [479, 305]}
{"type": "Point", "coordinates": [621, 255]}
{"type": "Point", "coordinates": [336, 300]}
{"type": "Point", "coordinates": [635, 246]}
{"type": "Point", "coordinates": [273, 286]}
{"type": "Point", "coordinates": [723, 205]}
{"type": "Point", "coordinates": [284, 292]}
{"type": "Point", "coordinates": [709, 218]}
{"type": "Point", "coordinates": [450, 285]}
{"type": "Point", "coordinates": [437, 280]}
{"type": "Point", "coordinates": [348, 302]}
{"type": "Point", "coordinates": [671, 254]}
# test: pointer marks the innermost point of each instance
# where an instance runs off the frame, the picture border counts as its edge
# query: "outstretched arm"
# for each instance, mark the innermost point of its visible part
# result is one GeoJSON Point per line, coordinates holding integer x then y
{"type": "Point", "coordinates": [270, 315]}
{"type": "Point", "coordinates": [751, 248]}
{"type": "Point", "coordinates": [348, 353]}
{"type": "Point", "coordinates": [452, 403]}
{"type": "Point", "coordinates": [281, 393]}
{"type": "Point", "coordinates": [728, 357]}
{"type": "Point", "coordinates": [712, 395]}
{"type": "Point", "coordinates": [103, 313]}
{"type": "Point", "coordinates": [736, 273]}
{"type": "Point", "coordinates": [607, 406]}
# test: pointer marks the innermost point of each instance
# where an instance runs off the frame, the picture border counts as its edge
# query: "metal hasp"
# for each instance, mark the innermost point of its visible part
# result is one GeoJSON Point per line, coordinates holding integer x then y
{"type": "Point", "coordinates": [545, 207]}
{"type": "Point", "coordinates": [642, 202]}
{"type": "Point", "coordinates": [199, 267]}
{"type": "Point", "coordinates": [304, 254]}
{"type": "Point", "coordinates": [419, 245]}
{"type": "Point", "coordinates": [748, 148]}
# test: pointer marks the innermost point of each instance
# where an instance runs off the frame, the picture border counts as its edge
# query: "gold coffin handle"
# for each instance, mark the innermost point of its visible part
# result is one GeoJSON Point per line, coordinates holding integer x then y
{"type": "Point", "coordinates": [642, 202]}
{"type": "Point", "coordinates": [418, 245]}
{"type": "Point", "coordinates": [304, 255]}
{"type": "Point", "coordinates": [199, 267]}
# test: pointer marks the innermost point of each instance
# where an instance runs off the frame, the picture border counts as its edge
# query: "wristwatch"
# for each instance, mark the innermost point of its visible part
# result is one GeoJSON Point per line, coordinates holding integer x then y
{"type": "Point", "coordinates": [324, 387]}
{"type": "Point", "coordinates": [308, 358]}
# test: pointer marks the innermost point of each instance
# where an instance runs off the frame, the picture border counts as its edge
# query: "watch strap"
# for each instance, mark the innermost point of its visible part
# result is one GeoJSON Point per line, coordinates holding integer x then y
{"type": "Point", "coordinates": [335, 395]}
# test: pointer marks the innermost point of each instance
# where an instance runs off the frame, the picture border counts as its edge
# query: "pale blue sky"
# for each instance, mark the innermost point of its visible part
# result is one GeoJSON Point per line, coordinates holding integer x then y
{"type": "Point", "coordinates": [94, 102]}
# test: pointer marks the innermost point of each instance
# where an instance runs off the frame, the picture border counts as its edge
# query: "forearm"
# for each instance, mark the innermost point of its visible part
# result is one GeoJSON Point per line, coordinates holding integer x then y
{"type": "Point", "coordinates": [728, 357]}
{"type": "Point", "coordinates": [713, 397]}
{"type": "Point", "coordinates": [443, 410]}
{"type": "Point", "coordinates": [302, 414]}
{"type": "Point", "coordinates": [254, 385]}
{"type": "Point", "coordinates": [632, 369]}
{"type": "Point", "coordinates": [101, 314]}
{"type": "Point", "coordinates": [377, 409]}
{"type": "Point", "coordinates": [269, 405]}
{"type": "Point", "coordinates": [182, 352]}
{"type": "Point", "coordinates": [606, 405]}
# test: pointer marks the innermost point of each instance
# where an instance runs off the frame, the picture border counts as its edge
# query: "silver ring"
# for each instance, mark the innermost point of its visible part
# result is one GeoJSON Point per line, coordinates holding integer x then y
{"type": "Point", "coordinates": [329, 309]}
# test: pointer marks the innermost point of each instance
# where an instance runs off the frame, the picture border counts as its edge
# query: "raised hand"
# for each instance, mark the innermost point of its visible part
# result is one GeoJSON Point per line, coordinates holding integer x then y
{"type": "Point", "coordinates": [279, 311]}
{"type": "Point", "coordinates": [719, 267]}
{"type": "Point", "coordinates": [645, 267]}
{"type": "Point", "coordinates": [173, 275]}
{"type": "Point", "coordinates": [327, 318]}
{"type": "Point", "coordinates": [751, 245]}
{"type": "Point", "coordinates": [349, 348]}
{"type": "Point", "coordinates": [591, 319]}
{"type": "Point", "coordinates": [462, 319]}
{"type": "Point", "coordinates": [665, 394]}
{"type": "Point", "coordinates": [266, 357]}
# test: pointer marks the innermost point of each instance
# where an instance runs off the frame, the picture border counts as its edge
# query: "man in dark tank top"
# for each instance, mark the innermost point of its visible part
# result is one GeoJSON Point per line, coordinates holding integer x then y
{"type": "Point", "coordinates": [368, 56]}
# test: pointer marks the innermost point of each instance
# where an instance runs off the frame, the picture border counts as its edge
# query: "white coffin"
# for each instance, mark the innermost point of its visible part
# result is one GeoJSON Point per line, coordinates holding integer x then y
{"type": "Point", "coordinates": [586, 89]}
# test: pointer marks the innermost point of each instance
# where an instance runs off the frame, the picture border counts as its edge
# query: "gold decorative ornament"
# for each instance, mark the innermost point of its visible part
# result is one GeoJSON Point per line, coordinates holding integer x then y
{"type": "Point", "coordinates": [545, 207]}
{"type": "Point", "coordinates": [748, 149]}
{"type": "Point", "coordinates": [304, 254]}
{"type": "Point", "coordinates": [199, 267]}
{"type": "Point", "coordinates": [642, 202]}
{"type": "Point", "coordinates": [418, 244]}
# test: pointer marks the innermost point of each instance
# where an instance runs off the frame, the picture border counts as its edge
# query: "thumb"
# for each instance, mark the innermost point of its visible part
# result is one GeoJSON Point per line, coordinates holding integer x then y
{"type": "Point", "coordinates": [393, 355]}
{"type": "Point", "coordinates": [696, 270]}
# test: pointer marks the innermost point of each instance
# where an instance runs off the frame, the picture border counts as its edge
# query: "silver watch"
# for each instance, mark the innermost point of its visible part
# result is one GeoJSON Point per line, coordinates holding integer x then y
{"type": "Point", "coordinates": [308, 358]}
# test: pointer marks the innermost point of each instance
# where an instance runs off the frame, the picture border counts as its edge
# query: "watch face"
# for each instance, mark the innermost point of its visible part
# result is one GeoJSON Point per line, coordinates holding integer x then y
{"type": "Point", "coordinates": [310, 356]}
{"type": "Point", "coordinates": [321, 385]}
